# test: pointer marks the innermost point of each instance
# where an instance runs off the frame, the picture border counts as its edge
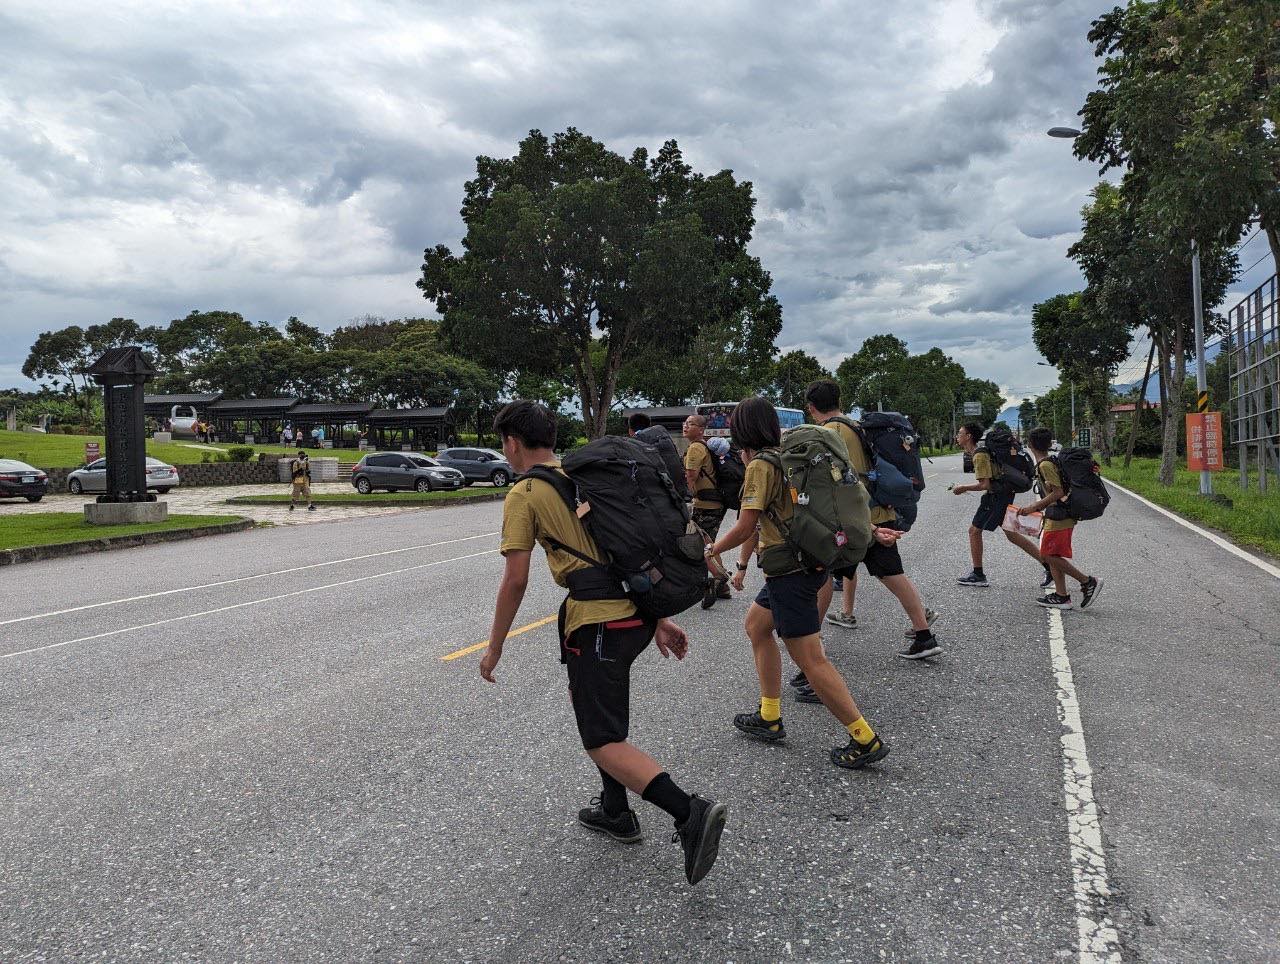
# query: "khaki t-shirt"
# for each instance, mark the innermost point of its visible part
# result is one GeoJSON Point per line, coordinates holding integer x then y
{"type": "Point", "coordinates": [763, 488]}
{"type": "Point", "coordinates": [984, 466]}
{"type": "Point", "coordinates": [533, 512]}
{"type": "Point", "coordinates": [862, 465]}
{"type": "Point", "coordinates": [698, 459]}
{"type": "Point", "coordinates": [1050, 477]}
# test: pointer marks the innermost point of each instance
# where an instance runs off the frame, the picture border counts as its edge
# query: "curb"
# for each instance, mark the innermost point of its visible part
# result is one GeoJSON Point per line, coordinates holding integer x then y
{"type": "Point", "coordinates": [365, 504]}
{"type": "Point", "coordinates": [12, 557]}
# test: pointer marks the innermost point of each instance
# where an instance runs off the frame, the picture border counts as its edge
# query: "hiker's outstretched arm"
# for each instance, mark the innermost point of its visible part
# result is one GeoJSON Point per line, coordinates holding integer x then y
{"type": "Point", "coordinates": [742, 530]}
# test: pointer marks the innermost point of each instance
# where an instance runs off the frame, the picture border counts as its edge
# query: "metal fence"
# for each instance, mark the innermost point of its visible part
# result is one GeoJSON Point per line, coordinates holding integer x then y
{"type": "Point", "coordinates": [1253, 345]}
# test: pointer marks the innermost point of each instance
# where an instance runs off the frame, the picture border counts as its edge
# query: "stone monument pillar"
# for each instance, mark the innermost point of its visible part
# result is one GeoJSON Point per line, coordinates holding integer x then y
{"type": "Point", "coordinates": [122, 372]}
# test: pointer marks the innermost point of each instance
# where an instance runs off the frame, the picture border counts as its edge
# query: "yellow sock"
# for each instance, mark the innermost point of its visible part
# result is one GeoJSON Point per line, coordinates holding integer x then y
{"type": "Point", "coordinates": [861, 730]}
{"type": "Point", "coordinates": [770, 710]}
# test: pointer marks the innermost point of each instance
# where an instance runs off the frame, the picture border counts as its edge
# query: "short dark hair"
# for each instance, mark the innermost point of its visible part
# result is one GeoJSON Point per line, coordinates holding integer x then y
{"type": "Point", "coordinates": [824, 395]}
{"type": "Point", "coordinates": [638, 421]}
{"type": "Point", "coordinates": [1041, 439]}
{"type": "Point", "coordinates": [974, 429]}
{"type": "Point", "coordinates": [531, 423]}
{"type": "Point", "coordinates": [754, 424]}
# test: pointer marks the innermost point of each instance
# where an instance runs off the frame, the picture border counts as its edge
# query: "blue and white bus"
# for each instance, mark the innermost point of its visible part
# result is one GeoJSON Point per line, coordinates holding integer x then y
{"type": "Point", "coordinates": [717, 416]}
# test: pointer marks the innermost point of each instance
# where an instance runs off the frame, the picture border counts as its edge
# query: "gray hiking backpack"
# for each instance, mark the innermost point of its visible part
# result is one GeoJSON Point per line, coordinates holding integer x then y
{"type": "Point", "coordinates": [830, 526]}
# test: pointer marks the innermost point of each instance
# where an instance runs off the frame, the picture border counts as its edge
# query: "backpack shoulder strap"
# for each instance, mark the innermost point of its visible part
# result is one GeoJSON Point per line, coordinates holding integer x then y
{"type": "Point", "coordinates": [569, 493]}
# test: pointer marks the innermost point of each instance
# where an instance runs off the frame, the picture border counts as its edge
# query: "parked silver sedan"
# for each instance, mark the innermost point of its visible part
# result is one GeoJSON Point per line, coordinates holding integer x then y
{"type": "Point", "coordinates": [93, 477]}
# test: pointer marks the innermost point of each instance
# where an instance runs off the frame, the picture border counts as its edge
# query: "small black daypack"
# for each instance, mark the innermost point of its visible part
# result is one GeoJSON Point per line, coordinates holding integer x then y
{"type": "Point", "coordinates": [891, 440]}
{"type": "Point", "coordinates": [1087, 497]}
{"type": "Point", "coordinates": [622, 491]}
{"type": "Point", "coordinates": [726, 482]}
{"type": "Point", "coordinates": [660, 439]}
{"type": "Point", "coordinates": [1015, 465]}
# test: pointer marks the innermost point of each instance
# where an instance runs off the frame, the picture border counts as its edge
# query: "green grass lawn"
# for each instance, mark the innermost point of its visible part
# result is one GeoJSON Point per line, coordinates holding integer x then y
{"type": "Point", "coordinates": [67, 451]}
{"type": "Point", "coordinates": [374, 498]}
{"type": "Point", "coordinates": [56, 528]}
{"type": "Point", "coordinates": [1251, 519]}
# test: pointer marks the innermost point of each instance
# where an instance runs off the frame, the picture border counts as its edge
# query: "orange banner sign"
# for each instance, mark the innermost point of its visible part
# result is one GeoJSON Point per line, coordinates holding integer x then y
{"type": "Point", "coordinates": [1204, 442]}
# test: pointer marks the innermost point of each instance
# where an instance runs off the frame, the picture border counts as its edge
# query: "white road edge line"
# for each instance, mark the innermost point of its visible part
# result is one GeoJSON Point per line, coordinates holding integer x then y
{"type": "Point", "coordinates": [1231, 547]}
{"type": "Point", "coordinates": [228, 582]}
{"type": "Point", "coordinates": [1098, 940]}
{"type": "Point", "coordinates": [251, 602]}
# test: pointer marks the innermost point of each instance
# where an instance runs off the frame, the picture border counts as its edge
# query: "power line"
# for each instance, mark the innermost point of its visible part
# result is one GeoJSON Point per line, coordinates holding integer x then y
{"type": "Point", "coordinates": [1255, 264]}
{"type": "Point", "coordinates": [1245, 243]}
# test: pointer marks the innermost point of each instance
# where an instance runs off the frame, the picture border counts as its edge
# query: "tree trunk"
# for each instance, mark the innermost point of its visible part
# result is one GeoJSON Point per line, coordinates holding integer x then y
{"type": "Point", "coordinates": [1273, 239]}
{"type": "Point", "coordinates": [1138, 409]}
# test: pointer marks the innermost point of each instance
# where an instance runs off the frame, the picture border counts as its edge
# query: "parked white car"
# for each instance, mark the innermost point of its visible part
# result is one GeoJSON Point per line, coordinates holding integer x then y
{"type": "Point", "coordinates": [93, 477]}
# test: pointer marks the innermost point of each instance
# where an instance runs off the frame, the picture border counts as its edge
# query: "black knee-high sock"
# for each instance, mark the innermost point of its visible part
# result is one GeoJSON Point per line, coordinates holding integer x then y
{"type": "Point", "coordinates": [614, 796]}
{"type": "Point", "coordinates": [663, 793]}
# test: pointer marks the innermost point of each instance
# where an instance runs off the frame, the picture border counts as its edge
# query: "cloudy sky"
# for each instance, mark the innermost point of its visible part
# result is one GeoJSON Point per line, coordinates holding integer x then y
{"type": "Point", "coordinates": [288, 158]}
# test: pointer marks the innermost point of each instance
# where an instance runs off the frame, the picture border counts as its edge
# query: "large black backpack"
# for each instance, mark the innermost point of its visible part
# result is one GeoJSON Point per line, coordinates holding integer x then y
{"type": "Point", "coordinates": [622, 491]}
{"type": "Point", "coordinates": [726, 485]}
{"type": "Point", "coordinates": [1087, 497]}
{"type": "Point", "coordinates": [896, 478]}
{"type": "Point", "coordinates": [1016, 468]}
{"type": "Point", "coordinates": [660, 439]}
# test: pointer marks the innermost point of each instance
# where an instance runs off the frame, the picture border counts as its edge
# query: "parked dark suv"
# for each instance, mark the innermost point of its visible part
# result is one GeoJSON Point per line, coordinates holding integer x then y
{"type": "Point", "coordinates": [478, 465]}
{"type": "Point", "coordinates": [19, 480]}
{"type": "Point", "coordinates": [402, 470]}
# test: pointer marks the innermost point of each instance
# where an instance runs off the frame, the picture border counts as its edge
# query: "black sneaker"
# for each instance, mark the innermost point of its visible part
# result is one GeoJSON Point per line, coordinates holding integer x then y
{"type": "Point", "coordinates": [292, 506]}
{"type": "Point", "coordinates": [799, 681]}
{"type": "Point", "coordinates": [624, 828]}
{"type": "Point", "coordinates": [723, 591]}
{"type": "Point", "coordinates": [1089, 590]}
{"type": "Point", "coordinates": [311, 508]}
{"type": "Point", "coordinates": [709, 598]}
{"type": "Point", "coordinates": [973, 580]}
{"type": "Point", "coordinates": [1047, 582]}
{"type": "Point", "coordinates": [922, 648]}
{"type": "Point", "coordinates": [930, 617]}
{"type": "Point", "coordinates": [1054, 601]}
{"type": "Point", "coordinates": [756, 726]}
{"type": "Point", "coordinates": [699, 836]}
{"type": "Point", "coordinates": [857, 755]}
{"type": "Point", "coordinates": [805, 694]}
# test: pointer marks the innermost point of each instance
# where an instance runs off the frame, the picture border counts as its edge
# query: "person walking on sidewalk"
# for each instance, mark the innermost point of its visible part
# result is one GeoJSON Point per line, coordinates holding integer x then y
{"type": "Point", "coordinates": [600, 640]}
{"type": "Point", "coordinates": [991, 507]}
{"type": "Point", "coordinates": [708, 510]}
{"type": "Point", "coordinates": [300, 473]}
{"type": "Point", "coordinates": [1055, 538]}
{"type": "Point", "coordinates": [788, 602]}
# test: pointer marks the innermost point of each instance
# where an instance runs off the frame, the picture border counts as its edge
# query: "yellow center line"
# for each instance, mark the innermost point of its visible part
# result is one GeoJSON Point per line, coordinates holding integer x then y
{"type": "Point", "coordinates": [458, 654]}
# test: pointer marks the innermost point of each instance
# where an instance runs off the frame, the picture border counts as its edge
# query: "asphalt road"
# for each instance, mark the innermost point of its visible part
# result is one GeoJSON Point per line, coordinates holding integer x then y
{"type": "Point", "coordinates": [281, 765]}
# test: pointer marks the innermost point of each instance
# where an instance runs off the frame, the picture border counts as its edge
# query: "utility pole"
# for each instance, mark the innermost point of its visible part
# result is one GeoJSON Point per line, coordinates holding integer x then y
{"type": "Point", "coordinates": [1072, 383]}
{"type": "Point", "coordinates": [1206, 478]}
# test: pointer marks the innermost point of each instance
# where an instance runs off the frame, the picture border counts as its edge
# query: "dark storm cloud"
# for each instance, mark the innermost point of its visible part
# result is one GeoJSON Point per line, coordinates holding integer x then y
{"type": "Point", "coordinates": [282, 161]}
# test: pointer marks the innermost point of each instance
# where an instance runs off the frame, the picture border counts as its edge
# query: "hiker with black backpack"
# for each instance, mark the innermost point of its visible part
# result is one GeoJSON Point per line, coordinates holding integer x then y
{"type": "Point", "coordinates": [873, 464]}
{"type": "Point", "coordinates": [626, 574]}
{"type": "Point", "coordinates": [1002, 471]}
{"type": "Point", "coordinates": [805, 512]}
{"type": "Point", "coordinates": [716, 484]}
{"type": "Point", "coordinates": [1065, 479]}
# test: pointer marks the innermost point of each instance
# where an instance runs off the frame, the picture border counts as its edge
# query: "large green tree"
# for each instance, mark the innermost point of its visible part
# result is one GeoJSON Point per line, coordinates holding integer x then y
{"type": "Point", "coordinates": [872, 374]}
{"type": "Point", "coordinates": [792, 374]}
{"type": "Point", "coordinates": [1189, 97]}
{"type": "Point", "coordinates": [1086, 347]}
{"type": "Point", "coordinates": [569, 245]}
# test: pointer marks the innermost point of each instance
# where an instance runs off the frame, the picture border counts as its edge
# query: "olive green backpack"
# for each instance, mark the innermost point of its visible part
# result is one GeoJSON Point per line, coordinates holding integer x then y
{"type": "Point", "coordinates": [830, 526]}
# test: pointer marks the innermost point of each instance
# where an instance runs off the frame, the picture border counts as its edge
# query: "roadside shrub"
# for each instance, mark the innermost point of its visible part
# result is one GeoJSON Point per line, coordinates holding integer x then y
{"type": "Point", "coordinates": [240, 453]}
{"type": "Point", "coordinates": [206, 458]}
{"type": "Point", "coordinates": [222, 457]}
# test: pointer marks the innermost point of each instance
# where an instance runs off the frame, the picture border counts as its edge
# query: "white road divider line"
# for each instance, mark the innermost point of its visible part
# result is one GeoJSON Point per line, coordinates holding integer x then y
{"type": "Point", "coordinates": [243, 605]}
{"type": "Point", "coordinates": [1231, 547]}
{"type": "Point", "coordinates": [1098, 940]}
{"type": "Point", "coordinates": [229, 582]}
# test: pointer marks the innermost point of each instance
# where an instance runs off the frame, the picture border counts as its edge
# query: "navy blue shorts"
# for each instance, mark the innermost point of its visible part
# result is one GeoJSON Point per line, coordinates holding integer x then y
{"type": "Point", "coordinates": [990, 514]}
{"type": "Point", "coordinates": [793, 601]}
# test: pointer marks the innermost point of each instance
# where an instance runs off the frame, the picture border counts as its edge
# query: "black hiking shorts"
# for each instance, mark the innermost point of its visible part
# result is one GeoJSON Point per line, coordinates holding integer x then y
{"type": "Point", "coordinates": [598, 658]}
{"type": "Point", "coordinates": [990, 514]}
{"type": "Point", "coordinates": [793, 601]}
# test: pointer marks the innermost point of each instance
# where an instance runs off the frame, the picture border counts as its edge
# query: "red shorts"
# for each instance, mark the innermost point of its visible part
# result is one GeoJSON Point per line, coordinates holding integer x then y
{"type": "Point", "coordinates": [1056, 543]}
